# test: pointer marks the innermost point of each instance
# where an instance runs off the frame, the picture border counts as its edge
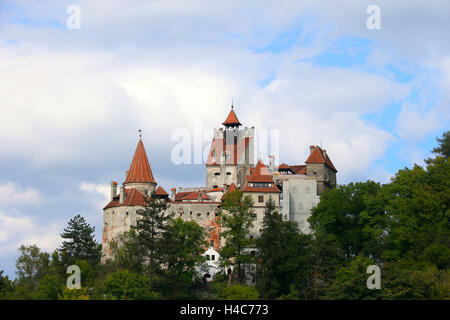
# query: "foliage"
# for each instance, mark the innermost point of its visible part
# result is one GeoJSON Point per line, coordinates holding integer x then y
{"type": "Point", "coordinates": [80, 243]}
{"type": "Point", "coordinates": [49, 288]}
{"type": "Point", "coordinates": [284, 254]}
{"type": "Point", "coordinates": [74, 294]}
{"type": "Point", "coordinates": [183, 242]}
{"type": "Point", "coordinates": [237, 292]}
{"type": "Point", "coordinates": [237, 221]}
{"type": "Point", "coordinates": [6, 286]}
{"type": "Point", "coordinates": [130, 255]}
{"type": "Point", "coordinates": [124, 285]}
{"type": "Point", "coordinates": [31, 266]}
{"type": "Point", "coordinates": [350, 282]}
{"type": "Point", "coordinates": [150, 228]}
{"type": "Point", "coordinates": [443, 149]}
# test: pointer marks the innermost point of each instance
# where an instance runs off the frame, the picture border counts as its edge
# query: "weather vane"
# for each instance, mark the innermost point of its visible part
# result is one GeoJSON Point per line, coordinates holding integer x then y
{"type": "Point", "coordinates": [140, 135]}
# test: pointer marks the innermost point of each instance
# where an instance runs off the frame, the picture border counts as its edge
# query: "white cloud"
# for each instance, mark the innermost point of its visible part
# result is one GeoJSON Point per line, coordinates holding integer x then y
{"type": "Point", "coordinates": [16, 230]}
{"type": "Point", "coordinates": [98, 189]}
{"type": "Point", "coordinates": [11, 193]}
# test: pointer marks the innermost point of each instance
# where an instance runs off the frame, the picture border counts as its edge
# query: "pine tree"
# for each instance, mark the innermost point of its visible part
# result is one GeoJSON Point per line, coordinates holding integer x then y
{"type": "Point", "coordinates": [285, 254]}
{"type": "Point", "coordinates": [237, 221]}
{"type": "Point", "coordinates": [152, 224]}
{"type": "Point", "coordinates": [80, 244]}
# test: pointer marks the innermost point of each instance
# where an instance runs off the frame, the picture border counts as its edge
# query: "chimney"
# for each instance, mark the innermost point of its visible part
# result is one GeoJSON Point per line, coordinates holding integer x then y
{"type": "Point", "coordinates": [199, 196]}
{"type": "Point", "coordinates": [324, 154]}
{"type": "Point", "coordinates": [122, 195]}
{"type": "Point", "coordinates": [272, 163]}
{"type": "Point", "coordinates": [225, 187]}
{"type": "Point", "coordinates": [126, 174]}
{"type": "Point", "coordinates": [174, 193]}
{"type": "Point", "coordinates": [311, 149]}
{"type": "Point", "coordinates": [113, 189]}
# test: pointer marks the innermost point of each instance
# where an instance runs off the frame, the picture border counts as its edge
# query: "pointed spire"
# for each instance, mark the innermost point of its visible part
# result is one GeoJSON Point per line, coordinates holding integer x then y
{"type": "Point", "coordinates": [140, 170]}
{"type": "Point", "coordinates": [232, 120]}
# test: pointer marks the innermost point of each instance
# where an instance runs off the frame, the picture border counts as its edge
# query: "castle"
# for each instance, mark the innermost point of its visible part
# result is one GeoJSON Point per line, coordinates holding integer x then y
{"type": "Point", "coordinates": [230, 166]}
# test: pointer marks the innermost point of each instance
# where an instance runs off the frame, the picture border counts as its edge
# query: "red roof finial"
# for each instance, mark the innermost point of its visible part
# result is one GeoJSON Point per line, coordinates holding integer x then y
{"type": "Point", "coordinates": [140, 170]}
{"type": "Point", "coordinates": [232, 120]}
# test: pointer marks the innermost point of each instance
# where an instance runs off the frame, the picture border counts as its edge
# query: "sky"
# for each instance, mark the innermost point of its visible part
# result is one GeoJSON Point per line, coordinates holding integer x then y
{"type": "Point", "coordinates": [72, 99]}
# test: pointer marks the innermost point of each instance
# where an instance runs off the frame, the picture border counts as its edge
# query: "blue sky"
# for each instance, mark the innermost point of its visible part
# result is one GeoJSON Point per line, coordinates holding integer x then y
{"type": "Point", "coordinates": [72, 100]}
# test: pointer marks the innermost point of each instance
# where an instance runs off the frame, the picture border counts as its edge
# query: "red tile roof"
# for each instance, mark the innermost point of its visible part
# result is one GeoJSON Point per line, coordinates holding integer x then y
{"type": "Point", "coordinates": [191, 195]}
{"type": "Point", "coordinates": [161, 192]}
{"type": "Point", "coordinates": [299, 169]}
{"type": "Point", "coordinates": [232, 119]}
{"type": "Point", "coordinates": [273, 189]}
{"type": "Point", "coordinates": [318, 156]}
{"type": "Point", "coordinates": [283, 166]}
{"type": "Point", "coordinates": [140, 170]}
{"type": "Point", "coordinates": [260, 174]}
{"type": "Point", "coordinates": [230, 189]}
{"type": "Point", "coordinates": [215, 190]}
{"type": "Point", "coordinates": [133, 197]}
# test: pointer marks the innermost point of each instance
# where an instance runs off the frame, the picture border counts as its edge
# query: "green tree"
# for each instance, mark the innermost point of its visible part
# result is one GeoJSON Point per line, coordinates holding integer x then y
{"type": "Point", "coordinates": [74, 294]}
{"type": "Point", "coordinates": [285, 254]}
{"type": "Point", "coordinates": [80, 243]}
{"type": "Point", "coordinates": [6, 287]}
{"type": "Point", "coordinates": [338, 215]}
{"type": "Point", "coordinates": [151, 226]}
{"type": "Point", "coordinates": [124, 285]}
{"type": "Point", "coordinates": [237, 292]}
{"type": "Point", "coordinates": [351, 282]}
{"type": "Point", "coordinates": [130, 255]}
{"type": "Point", "coordinates": [49, 288]}
{"type": "Point", "coordinates": [31, 266]}
{"type": "Point", "coordinates": [237, 221]}
{"type": "Point", "coordinates": [443, 149]}
{"type": "Point", "coordinates": [403, 281]}
{"type": "Point", "coordinates": [183, 243]}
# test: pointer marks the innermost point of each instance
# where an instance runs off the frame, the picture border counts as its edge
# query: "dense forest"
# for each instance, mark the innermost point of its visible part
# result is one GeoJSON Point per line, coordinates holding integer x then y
{"type": "Point", "coordinates": [402, 227]}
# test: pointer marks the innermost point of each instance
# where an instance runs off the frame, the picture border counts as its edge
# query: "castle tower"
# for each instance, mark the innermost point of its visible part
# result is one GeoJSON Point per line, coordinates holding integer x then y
{"type": "Point", "coordinates": [231, 154]}
{"type": "Point", "coordinates": [140, 175]}
{"type": "Point", "coordinates": [319, 166]}
{"type": "Point", "coordinates": [120, 213]}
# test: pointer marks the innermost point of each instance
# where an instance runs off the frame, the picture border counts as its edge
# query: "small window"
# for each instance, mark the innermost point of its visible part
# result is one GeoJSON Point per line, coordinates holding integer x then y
{"type": "Point", "coordinates": [252, 252]}
{"type": "Point", "coordinates": [190, 213]}
{"type": "Point", "coordinates": [251, 237]}
{"type": "Point", "coordinates": [213, 257]}
{"type": "Point", "coordinates": [217, 214]}
{"type": "Point", "coordinates": [214, 186]}
{"type": "Point", "coordinates": [127, 213]}
{"type": "Point", "coordinates": [181, 214]}
{"type": "Point", "coordinates": [207, 214]}
{"type": "Point", "coordinates": [207, 257]}
{"type": "Point", "coordinates": [260, 199]}
{"type": "Point", "coordinates": [217, 173]}
{"type": "Point", "coordinates": [228, 173]}
{"type": "Point", "coordinates": [199, 214]}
